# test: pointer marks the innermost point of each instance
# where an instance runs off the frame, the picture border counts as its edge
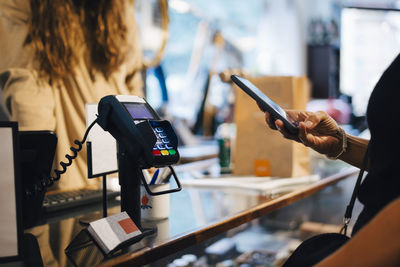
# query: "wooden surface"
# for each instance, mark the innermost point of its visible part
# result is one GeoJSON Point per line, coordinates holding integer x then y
{"type": "Point", "coordinates": [177, 243]}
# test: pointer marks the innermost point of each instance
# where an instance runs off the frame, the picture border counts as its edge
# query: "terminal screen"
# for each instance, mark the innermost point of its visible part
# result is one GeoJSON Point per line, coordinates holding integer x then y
{"type": "Point", "coordinates": [138, 111]}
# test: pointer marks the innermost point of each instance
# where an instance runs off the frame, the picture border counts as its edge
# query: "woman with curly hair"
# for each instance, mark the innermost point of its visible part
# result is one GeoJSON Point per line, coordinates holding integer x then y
{"type": "Point", "coordinates": [56, 56]}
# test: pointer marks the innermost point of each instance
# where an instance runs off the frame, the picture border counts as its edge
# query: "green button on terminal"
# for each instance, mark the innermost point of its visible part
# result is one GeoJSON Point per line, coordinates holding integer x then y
{"type": "Point", "coordinates": [172, 151]}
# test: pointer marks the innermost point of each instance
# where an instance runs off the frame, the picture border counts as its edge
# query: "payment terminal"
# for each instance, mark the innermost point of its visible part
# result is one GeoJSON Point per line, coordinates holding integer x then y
{"type": "Point", "coordinates": [144, 141]}
{"type": "Point", "coordinates": [136, 126]}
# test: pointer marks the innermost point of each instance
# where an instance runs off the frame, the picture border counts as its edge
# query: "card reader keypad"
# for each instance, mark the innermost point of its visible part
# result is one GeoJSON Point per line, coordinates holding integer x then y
{"type": "Point", "coordinates": [163, 146]}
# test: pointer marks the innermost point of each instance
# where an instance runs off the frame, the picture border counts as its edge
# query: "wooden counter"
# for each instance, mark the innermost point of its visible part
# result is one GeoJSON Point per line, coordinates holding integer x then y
{"type": "Point", "coordinates": [176, 240]}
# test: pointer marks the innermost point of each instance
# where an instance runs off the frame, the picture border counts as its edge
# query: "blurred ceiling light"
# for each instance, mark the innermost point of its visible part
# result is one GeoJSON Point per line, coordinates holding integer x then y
{"type": "Point", "coordinates": [179, 6]}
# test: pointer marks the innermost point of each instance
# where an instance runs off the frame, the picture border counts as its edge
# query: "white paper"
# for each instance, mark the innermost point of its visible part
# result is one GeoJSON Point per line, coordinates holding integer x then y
{"type": "Point", "coordinates": [8, 218]}
{"type": "Point", "coordinates": [109, 233]}
{"type": "Point", "coordinates": [102, 231]}
{"type": "Point", "coordinates": [104, 146]}
{"type": "Point", "coordinates": [265, 185]}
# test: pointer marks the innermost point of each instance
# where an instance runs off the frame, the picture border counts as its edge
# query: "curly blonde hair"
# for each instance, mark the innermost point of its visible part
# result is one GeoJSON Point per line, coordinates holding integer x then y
{"type": "Point", "coordinates": [58, 28]}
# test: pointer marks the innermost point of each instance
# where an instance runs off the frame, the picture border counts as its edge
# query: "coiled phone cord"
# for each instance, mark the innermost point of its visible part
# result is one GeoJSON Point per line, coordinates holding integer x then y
{"type": "Point", "coordinates": [49, 180]}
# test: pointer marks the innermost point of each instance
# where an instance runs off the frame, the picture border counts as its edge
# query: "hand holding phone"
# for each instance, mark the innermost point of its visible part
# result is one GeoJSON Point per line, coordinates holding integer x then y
{"type": "Point", "coordinates": [266, 104]}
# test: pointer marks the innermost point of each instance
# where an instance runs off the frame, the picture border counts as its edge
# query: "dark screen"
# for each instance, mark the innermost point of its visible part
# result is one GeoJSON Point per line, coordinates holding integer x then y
{"type": "Point", "coordinates": [139, 111]}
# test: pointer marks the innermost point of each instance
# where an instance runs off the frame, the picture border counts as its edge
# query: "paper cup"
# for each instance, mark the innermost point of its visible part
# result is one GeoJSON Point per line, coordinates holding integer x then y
{"type": "Point", "coordinates": [154, 207]}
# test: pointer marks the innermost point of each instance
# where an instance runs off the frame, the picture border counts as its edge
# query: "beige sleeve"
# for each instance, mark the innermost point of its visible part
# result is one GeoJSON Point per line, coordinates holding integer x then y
{"type": "Point", "coordinates": [29, 102]}
{"type": "Point", "coordinates": [14, 18]}
{"type": "Point", "coordinates": [376, 244]}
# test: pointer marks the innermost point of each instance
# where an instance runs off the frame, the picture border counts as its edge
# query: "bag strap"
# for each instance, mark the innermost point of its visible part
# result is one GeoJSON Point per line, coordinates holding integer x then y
{"type": "Point", "coordinates": [350, 206]}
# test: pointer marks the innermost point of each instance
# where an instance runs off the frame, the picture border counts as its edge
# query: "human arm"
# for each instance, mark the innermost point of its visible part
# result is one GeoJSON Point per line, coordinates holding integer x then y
{"type": "Point", "coordinates": [376, 244]}
{"type": "Point", "coordinates": [320, 132]}
{"type": "Point", "coordinates": [28, 102]}
{"type": "Point", "coordinates": [24, 99]}
{"type": "Point", "coordinates": [355, 151]}
{"type": "Point", "coordinates": [14, 17]}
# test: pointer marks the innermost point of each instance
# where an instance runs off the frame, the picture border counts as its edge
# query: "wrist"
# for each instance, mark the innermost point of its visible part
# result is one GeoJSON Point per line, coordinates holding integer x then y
{"type": "Point", "coordinates": [342, 137]}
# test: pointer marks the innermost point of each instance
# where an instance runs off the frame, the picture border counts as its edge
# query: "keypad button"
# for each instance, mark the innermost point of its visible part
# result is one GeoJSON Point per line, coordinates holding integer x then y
{"type": "Point", "coordinates": [158, 143]}
{"type": "Point", "coordinates": [162, 135]}
{"type": "Point", "coordinates": [165, 140]}
{"type": "Point", "coordinates": [172, 151]}
{"type": "Point", "coordinates": [161, 146]}
{"type": "Point", "coordinates": [156, 152]}
{"type": "Point", "coordinates": [167, 146]}
{"type": "Point", "coordinates": [164, 152]}
{"type": "Point", "coordinates": [159, 129]}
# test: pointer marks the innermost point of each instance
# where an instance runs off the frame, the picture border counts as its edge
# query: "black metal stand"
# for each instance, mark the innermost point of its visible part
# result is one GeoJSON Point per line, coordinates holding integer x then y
{"type": "Point", "coordinates": [105, 196]}
{"type": "Point", "coordinates": [129, 179]}
{"type": "Point", "coordinates": [88, 218]}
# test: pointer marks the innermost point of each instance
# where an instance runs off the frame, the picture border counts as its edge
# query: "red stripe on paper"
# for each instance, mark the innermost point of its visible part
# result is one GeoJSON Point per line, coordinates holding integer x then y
{"type": "Point", "coordinates": [128, 225]}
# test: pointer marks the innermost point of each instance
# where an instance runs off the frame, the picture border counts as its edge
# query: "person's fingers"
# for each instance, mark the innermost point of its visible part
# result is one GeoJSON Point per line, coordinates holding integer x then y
{"type": "Point", "coordinates": [298, 115]}
{"type": "Point", "coordinates": [313, 120]}
{"type": "Point", "coordinates": [294, 114]}
{"type": "Point", "coordinates": [285, 133]}
{"type": "Point", "coordinates": [321, 120]}
{"type": "Point", "coordinates": [270, 121]}
{"type": "Point", "coordinates": [281, 128]}
{"type": "Point", "coordinates": [279, 125]}
{"type": "Point", "coordinates": [303, 134]}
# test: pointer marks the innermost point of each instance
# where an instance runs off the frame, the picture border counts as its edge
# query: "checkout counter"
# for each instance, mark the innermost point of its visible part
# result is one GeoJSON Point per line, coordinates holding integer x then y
{"type": "Point", "coordinates": [198, 216]}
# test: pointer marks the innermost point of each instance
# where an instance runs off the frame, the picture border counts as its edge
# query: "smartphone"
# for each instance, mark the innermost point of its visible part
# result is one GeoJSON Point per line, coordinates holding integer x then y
{"type": "Point", "coordinates": [266, 104]}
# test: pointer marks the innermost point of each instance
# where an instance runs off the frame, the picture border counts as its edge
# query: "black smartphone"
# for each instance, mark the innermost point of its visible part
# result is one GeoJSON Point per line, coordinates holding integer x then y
{"type": "Point", "coordinates": [266, 104]}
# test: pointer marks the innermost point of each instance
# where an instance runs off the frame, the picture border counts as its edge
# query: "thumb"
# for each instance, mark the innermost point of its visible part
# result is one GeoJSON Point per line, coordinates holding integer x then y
{"type": "Point", "coordinates": [311, 121]}
{"type": "Point", "coordinates": [314, 119]}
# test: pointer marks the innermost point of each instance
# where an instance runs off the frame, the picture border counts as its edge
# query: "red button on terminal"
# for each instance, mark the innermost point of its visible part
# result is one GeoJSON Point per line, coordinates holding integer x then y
{"type": "Point", "coordinates": [156, 152]}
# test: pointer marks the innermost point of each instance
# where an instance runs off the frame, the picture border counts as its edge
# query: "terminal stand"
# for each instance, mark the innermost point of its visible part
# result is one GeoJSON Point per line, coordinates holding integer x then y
{"type": "Point", "coordinates": [144, 141]}
{"type": "Point", "coordinates": [84, 246]}
{"type": "Point", "coordinates": [129, 178]}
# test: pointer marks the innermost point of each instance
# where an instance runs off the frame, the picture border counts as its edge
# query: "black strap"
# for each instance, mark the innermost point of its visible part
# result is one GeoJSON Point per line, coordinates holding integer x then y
{"type": "Point", "coordinates": [350, 206]}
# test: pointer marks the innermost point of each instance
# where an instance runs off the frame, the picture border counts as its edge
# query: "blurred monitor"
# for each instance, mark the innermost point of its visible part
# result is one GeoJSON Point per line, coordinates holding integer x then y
{"type": "Point", "coordinates": [10, 203]}
{"type": "Point", "coordinates": [370, 41]}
